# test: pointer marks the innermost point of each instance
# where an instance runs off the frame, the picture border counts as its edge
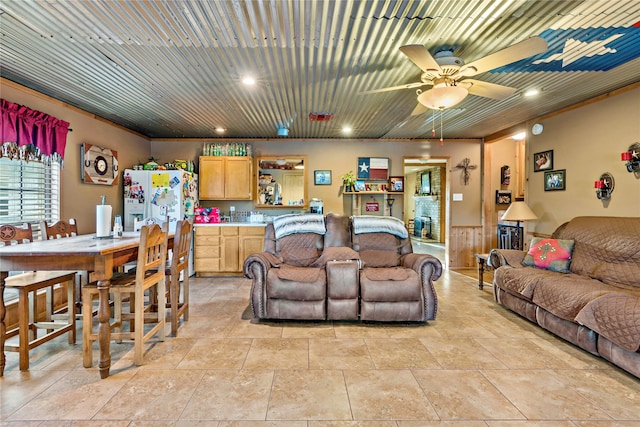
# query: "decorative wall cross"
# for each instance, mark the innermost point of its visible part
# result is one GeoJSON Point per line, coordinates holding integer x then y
{"type": "Point", "coordinates": [466, 167]}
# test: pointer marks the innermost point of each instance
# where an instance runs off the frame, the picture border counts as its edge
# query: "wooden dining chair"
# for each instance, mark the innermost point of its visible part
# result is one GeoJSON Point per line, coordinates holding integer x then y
{"type": "Point", "coordinates": [178, 299]}
{"type": "Point", "coordinates": [149, 274]}
{"type": "Point", "coordinates": [60, 230]}
{"type": "Point", "coordinates": [28, 285]}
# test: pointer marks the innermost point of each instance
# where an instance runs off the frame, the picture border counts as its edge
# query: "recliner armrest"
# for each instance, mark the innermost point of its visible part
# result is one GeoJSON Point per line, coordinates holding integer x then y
{"type": "Point", "coordinates": [261, 263]}
{"type": "Point", "coordinates": [416, 262]}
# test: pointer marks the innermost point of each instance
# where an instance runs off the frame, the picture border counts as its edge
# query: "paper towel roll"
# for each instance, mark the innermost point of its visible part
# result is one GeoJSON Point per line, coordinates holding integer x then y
{"type": "Point", "coordinates": [103, 220]}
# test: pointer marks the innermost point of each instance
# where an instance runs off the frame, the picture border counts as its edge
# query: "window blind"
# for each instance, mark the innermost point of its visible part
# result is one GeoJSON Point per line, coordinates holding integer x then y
{"type": "Point", "coordinates": [29, 191]}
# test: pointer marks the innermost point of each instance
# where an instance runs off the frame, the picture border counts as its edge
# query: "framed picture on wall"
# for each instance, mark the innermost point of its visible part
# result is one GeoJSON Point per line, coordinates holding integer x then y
{"type": "Point", "coordinates": [322, 177]}
{"type": "Point", "coordinates": [543, 161]}
{"type": "Point", "coordinates": [555, 180]}
{"type": "Point", "coordinates": [503, 197]}
{"type": "Point", "coordinates": [396, 184]}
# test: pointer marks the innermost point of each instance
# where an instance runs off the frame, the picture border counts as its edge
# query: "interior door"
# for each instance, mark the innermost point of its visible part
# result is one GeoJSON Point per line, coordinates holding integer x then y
{"type": "Point", "coordinates": [293, 187]}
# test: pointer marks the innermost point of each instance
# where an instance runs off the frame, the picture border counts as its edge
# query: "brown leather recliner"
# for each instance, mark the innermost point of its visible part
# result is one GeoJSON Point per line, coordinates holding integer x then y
{"type": "Point", "coordinates": [313, 274]}
{"type": "Point", "coordinates": [395, 283]}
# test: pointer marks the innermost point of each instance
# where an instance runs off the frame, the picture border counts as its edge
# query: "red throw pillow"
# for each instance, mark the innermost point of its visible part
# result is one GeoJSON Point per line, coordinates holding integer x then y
{"type": "Point", "coordinates": [549, 254]}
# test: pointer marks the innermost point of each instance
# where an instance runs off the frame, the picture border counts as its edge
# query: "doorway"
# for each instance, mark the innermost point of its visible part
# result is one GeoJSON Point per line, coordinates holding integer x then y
{"type": "Point", "coordinates": [426, 201]}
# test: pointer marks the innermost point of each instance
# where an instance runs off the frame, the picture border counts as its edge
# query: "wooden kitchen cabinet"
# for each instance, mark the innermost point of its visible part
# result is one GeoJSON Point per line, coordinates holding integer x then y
{"type": "Point", "coordinates": [225, 178]}
{"type": "Point", "coordinates": [221, 250]}
{"type": "Point", "coordinates": [251, 241]}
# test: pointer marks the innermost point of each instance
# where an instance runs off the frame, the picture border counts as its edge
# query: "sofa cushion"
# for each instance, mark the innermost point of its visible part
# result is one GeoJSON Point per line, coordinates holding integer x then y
{"type": "Point", "coordinates": [564, 295]}
{"type": "Point", "coordinates": [616, 316]}
{"type": "Point", "coordinates": [521, 281]}
{"type": "Point", "coordinates": [298, 274]}
{"type": "Point", "coordinates": [379, 258]}
{"type": "Point", "coordinates": [279, 288]}
{"type": "Point", "coordinates": [335, 253]}
{"type": "Point", "coordinates": [607, 248]}
{"type": "Point", "coordinates": [300, 249]}
{"type": "Point", "coordinates": [550, 254]}
{"type": "Point", "coordinates": [389, 290]}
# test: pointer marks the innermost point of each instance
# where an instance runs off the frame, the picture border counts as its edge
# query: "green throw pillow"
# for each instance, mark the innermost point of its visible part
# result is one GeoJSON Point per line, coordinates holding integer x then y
{"type": "Point", "coordinates": [549, 254]}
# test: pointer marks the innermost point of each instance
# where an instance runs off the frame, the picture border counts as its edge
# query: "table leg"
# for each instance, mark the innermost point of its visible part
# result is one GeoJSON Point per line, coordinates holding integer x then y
{"type": "Point", "coordinates": [3, 327]}
{"type": "Point", "coordinates": [480, 273]}
{"type": "Point", "coordinates": [104, 329]}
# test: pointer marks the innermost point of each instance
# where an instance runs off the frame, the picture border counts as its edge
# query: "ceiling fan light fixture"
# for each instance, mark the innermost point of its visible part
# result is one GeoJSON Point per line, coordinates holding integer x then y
{"type": "Point", "coordinates": [440, 98]}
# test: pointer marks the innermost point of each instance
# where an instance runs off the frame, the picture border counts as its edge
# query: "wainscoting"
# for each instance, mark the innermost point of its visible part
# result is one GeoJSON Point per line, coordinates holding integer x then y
{"type": "Point", "coordinates": [465, 241]}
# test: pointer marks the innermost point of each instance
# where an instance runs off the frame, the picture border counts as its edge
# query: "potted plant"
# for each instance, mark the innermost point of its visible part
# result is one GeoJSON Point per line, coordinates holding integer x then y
{"type": "Point", "coordinates": [349, 180]}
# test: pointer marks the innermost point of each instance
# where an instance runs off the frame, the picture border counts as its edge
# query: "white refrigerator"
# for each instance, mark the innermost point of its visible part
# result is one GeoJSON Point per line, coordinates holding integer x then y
{"type": "Point", "coordinates": [158, 195]}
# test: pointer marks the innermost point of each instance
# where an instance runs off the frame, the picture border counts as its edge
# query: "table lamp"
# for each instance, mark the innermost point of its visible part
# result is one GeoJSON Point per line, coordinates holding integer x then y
{"type": "Point", "coordinates": [519, 211]}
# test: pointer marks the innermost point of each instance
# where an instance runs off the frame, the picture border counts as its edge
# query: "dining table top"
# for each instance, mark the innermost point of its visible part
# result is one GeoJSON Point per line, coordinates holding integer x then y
{"type": "Point", "coordinates": [84, 244]}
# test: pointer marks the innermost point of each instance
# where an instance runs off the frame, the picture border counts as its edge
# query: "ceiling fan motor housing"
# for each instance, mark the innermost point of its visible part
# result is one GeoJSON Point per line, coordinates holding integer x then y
{"type": "Point", "coordinates": [448, 63]}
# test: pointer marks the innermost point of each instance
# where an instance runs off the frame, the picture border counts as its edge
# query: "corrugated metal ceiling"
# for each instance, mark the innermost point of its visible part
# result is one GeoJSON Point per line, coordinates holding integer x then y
{"type": "Point", "coordinates": [173, 68]}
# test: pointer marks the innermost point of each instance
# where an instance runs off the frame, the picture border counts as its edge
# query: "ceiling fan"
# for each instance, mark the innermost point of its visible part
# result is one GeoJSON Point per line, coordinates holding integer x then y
{"type": "Point", "coordinates": [448, 74]}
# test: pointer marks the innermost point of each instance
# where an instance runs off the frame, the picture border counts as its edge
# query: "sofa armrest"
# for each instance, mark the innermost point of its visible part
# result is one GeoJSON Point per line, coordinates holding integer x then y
{"type": "Point", "coordinates": [429, 269]}
{"type": "Point", "coordinates": [510, 257]}
{"type": "Point", "coordinates": [417, 262]}
{"type": "Point", "coordinates": [256, 267]}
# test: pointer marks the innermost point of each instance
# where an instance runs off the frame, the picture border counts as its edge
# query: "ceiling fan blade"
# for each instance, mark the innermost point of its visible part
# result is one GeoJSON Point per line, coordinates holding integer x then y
{"type": "Point", "coordinates": [510, 54]}
{"type": "Point", "coordinates": [387, 89]}
{"type": "Point", "coordinates": [421, 57]}
{"type": "Point", "coordinates": [420, 109]}
{"type": "Point", "coordinates": [486, 89]}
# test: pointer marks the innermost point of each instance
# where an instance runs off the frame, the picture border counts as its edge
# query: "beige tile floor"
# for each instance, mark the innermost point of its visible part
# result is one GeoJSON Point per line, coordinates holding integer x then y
{"type": "Point", "coordinates": [476, 365]}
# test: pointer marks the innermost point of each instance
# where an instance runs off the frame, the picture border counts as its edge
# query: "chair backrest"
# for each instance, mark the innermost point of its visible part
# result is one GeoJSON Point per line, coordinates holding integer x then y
{"type": "Point", "coordinates": [181, 247]}
{"type": "Point", "coordinates": [152, 254]}
{"type": "Point", "coordinates": [139, 223]}
{"type": "Point", "coordinates": [12, 235]}
{"type": "Point", "coordinates": [59, 230]}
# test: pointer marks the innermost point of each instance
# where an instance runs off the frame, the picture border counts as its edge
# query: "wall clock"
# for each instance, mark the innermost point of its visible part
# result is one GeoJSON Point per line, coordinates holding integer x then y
{"type": "Point", "coordinates": [99, 165]}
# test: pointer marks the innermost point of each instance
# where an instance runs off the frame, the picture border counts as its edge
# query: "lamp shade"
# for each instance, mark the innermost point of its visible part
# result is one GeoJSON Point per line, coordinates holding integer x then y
{"type": "Point", "coordinates": [443, 97]}
{"type": "Point", "coordinates": [519, 211]}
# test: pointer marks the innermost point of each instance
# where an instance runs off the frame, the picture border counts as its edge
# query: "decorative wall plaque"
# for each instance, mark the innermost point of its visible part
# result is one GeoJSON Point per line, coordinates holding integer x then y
{"type": "Point", "coordinates": [99, 165]}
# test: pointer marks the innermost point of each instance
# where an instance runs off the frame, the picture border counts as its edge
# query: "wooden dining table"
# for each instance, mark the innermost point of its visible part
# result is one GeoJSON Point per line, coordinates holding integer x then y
{"type": "Point", "coordinates": [98, 256]}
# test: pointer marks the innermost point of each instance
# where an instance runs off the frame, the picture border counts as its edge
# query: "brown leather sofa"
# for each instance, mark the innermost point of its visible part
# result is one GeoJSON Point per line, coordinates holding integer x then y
{"type": "Point", "coordinates": [596, 305]}
{"type": "Point", "coordinates": [324, 268]}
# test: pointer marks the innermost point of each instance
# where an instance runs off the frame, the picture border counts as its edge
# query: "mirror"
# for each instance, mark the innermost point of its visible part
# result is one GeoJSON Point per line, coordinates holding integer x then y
{"type": "Point", "coordinates": [282, 182]}
{"type": "Point", "coordinates": [425, 183]}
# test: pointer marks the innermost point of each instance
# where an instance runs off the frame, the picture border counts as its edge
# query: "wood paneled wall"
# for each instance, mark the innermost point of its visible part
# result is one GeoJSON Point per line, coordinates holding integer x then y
{"type": "Point", "coordinates": [465, 241]}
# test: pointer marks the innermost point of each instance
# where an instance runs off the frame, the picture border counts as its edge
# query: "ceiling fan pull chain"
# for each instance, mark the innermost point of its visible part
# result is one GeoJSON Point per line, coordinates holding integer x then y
{"type": "Point", "coordinates": [441, 139]}
{"type": "Point", "coordinates": [433, 123]}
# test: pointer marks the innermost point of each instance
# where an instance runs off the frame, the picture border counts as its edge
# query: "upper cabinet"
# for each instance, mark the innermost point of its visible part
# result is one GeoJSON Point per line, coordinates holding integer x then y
{"type": "Point", "coordinates": [225, 178]}
{"type": "Point", "coordinates": [282, 182]}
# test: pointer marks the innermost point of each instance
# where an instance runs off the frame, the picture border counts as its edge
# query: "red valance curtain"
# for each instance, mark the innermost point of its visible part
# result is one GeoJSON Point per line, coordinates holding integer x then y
{"type": "Point", "coordinates": [27, 132]}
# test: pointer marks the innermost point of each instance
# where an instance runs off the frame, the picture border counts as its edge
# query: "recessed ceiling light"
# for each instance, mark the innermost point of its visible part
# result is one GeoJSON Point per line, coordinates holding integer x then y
{"type": "Point", "coordinates": [220, 130]}
{"type": "Point", "coordinates": [248, 81]}
{"type": "Point", "coordinates": [531, 92]}
{"type": "Point", "coordinates": [346, 130]}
